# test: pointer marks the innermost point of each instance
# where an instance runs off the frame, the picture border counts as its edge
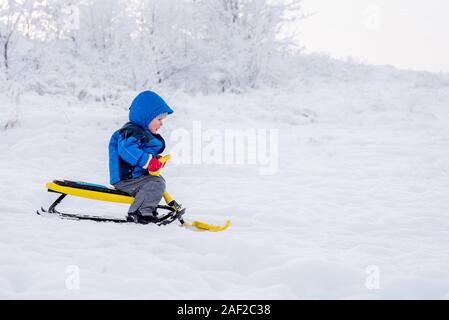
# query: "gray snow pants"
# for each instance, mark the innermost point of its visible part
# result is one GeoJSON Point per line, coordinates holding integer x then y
{"type": "Point", "coordinates": [147, 192]}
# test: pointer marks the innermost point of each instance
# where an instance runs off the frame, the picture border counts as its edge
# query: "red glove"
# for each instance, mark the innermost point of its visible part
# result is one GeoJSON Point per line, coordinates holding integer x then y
{"type": "Point", "coordinates": [154, 165]}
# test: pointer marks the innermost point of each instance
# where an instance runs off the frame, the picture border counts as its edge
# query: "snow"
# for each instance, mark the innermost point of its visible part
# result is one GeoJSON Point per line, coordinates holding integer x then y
{"type": "Point", "coordinates": [357, 209]}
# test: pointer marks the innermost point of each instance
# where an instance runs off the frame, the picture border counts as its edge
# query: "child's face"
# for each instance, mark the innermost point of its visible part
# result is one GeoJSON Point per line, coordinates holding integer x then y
{"type": "Point", "coordinates": [155, 125]}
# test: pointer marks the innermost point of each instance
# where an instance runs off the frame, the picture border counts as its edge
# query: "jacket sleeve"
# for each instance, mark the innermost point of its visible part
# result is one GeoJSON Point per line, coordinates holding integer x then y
{"type": "Point", "coordinates": [129, 150]}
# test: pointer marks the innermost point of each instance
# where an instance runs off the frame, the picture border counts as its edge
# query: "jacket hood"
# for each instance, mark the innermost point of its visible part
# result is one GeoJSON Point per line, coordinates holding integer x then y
{"type": "Point", "coordinates": [147, 106]}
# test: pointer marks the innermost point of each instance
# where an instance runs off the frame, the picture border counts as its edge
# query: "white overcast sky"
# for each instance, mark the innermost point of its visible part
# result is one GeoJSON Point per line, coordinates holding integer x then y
{"type": "Point", "coordinates": [409, 34]}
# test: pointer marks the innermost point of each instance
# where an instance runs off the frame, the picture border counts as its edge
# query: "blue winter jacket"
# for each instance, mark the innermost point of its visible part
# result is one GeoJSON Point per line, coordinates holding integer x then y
{"type": "Point", "coordinates": [131, 146]}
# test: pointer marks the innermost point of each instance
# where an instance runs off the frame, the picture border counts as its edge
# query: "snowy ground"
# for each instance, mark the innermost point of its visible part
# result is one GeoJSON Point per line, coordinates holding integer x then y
{"type": "Point", "coordinates": [358, 208]}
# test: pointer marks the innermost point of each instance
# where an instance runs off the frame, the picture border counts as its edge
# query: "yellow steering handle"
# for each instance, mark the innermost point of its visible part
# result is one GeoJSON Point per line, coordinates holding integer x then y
{"type": "Point", "coordinates": [162, 160]}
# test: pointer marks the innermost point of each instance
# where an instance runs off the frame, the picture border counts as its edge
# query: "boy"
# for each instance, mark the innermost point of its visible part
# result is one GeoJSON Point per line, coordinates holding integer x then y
{"type": "Point", "coordinates": [134, 150]}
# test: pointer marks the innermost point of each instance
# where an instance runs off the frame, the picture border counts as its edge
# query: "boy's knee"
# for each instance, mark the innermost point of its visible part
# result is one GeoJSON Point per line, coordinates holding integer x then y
{"type": "Point", "coordinates": [156, 183]}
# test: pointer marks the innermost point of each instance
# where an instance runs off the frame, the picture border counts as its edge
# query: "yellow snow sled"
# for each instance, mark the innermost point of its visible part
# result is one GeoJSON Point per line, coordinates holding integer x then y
{"type": "Point", "coordinates": [103, 193]}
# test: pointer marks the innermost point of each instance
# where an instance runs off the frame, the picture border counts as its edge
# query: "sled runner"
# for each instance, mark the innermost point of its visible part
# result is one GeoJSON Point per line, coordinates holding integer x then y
{"type": "Point", "coordinates": [172, 209]}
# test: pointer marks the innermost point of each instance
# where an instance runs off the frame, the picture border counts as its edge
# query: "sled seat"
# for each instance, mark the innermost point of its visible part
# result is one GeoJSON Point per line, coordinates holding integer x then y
{"type": "Point", "coordinates": [89, 190]}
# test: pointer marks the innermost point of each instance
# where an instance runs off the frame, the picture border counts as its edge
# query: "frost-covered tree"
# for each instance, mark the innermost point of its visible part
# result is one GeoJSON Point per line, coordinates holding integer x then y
{"type": "Point", "coordinates": [161, 36]}
{"type": "Point", "coordinates": [239, 37]}
{"type": "Point", "coordinates": [190, 44]}
{"type": "Point", "coordinates": [12, 12]}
